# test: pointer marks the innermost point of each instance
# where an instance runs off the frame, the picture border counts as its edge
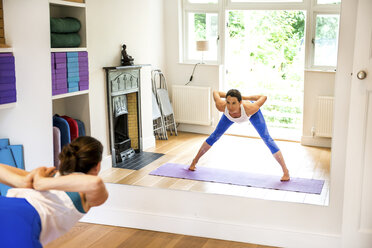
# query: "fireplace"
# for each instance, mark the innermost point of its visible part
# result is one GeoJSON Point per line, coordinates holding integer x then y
{"type": "Point", "coordinates": [124, 112]}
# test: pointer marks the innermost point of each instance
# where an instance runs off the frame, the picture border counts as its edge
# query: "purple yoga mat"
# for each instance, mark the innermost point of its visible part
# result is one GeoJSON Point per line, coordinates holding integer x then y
{"type": "Point", "coordinates": [303, 185]}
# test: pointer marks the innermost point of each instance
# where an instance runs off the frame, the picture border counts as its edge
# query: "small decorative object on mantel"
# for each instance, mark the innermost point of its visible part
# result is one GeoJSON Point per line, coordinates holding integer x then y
{"type": "Point", "coordinates": [126, 59]}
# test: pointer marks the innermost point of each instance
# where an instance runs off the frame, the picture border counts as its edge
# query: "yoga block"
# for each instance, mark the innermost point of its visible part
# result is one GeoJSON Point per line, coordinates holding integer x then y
{"type": "Point", "coordinates": [17, 151]}
{"type": "Point", "coordinates": [72, 74]}
{"type": "Point", "coordinates": [6, 54]}
{"type": "Point", "coordinates": [8, 93]}
{"type": "Point", "coordinates": [73, 84]}
{"type": "Point", "coordinates": [73, 89]}
{"type": "Point", "coordinates": [61, 71]}
{"type": "Point", "coordinates": [72, 59]}
{"type": "Point", "coordinates": [9, 73]}
{"type": "Point", "coordinates": [4, 142]}
{"type": "Point", "coordinates": [59, 86]}
{"type": "Point", "coordinates": [11, 86]}
{"type": "Point", "coordinates": [60, 66]}
{"type": "Point", "coordinates": [72, 64]}
{"type": "Point", "coordinates": [60, 55]}
{"type": "Point", "coordinates": [60, 81]}
{"type": "Point", "coordinates": [58, 92]}
{"type": "Point", "coordinates": [85, 82]}
{"type": "Point", "coordinates": [83, 72]}
{"type": "Point", "coordinates": [7, 60]}
{"type": "Point", "coordinates": [60, 60]}
{"type": "Point", "coordinates": [8, 99]}
{"type": "Point", "coordinates": [6, 157]}
{"type": "Point", "coordinates": [83, 87]}
{"type": "Point", "coordinates": [73, 69]}
{"type": "Point", "coordinates": [84, 78]}
{"type": "Point", "coordinates": [73, 79]}
{"type": "Point", "coordinates": [72, 54]}
{"type": "Point", "coordinates": [83, 54]}
{"type": "Point", "coordinates": [7, 67]}
{"type": "Point", "coordinates": [7, 80]}
{"type": "Point", "coordinates": [61, 76]}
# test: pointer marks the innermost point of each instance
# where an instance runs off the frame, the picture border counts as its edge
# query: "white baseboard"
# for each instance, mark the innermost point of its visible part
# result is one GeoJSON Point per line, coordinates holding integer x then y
{"type": "Point", "coordinates": [195, 128]}
{"type": "Point", "coordinates": [210, 229]}
{"type": "Point", "coordinates": [316, 141]}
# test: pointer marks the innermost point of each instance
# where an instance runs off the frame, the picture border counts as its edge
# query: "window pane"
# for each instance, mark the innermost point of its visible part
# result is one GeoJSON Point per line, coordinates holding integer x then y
{"type": "Point", "coordinates": [326, 40]}
{"type": "Point", "coordinates": [267, 1]}
{"type": "Point", "coordinates": [202, 26]}
{"type": "Point", "coordinates": [328, 1]}
{"type": "Point", "coordinates": [203, 1]}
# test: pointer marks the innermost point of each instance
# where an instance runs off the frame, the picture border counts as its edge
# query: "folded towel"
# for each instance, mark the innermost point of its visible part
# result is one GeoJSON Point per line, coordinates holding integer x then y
{"type": "Point", "coordinates": [64, 25]}
{"type": "Point", "coordinates": [65, 40]}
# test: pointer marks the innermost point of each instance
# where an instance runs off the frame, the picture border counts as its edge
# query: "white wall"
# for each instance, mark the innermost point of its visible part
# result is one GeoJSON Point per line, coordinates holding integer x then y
{"type": "Point", "coordinates": [243, 219]}
{"type": "Point", "coordinates": [316, 83]}
{"type": "Point", "coordinates": [139, 25]}
{"type": "Point", "coordinates": [30, 122]}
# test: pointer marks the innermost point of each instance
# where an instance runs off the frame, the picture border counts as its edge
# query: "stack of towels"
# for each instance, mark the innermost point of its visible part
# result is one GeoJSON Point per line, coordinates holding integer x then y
{"type": "Point", "coordinates": [64, 32]}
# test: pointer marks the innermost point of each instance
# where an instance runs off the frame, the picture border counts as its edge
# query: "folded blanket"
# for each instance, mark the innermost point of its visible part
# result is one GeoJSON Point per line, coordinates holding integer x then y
{"type": "Point", "coordinates": [65, 40]}
{"type": "Point", "coordinates": [64, 25]}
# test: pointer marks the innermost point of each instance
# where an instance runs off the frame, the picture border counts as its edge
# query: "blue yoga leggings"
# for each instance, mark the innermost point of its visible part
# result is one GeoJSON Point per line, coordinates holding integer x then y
{"type": "Point", "coordinates": [257, 120]}
{"type": "Point", "coordinates": [20, 224]}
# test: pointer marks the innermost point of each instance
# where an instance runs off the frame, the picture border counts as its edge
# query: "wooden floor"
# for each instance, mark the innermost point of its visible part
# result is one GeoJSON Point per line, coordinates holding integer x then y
{"type": "Point", "coordinates": [85, 235]}
{"type": "Point", "coordinates": [233, 153]}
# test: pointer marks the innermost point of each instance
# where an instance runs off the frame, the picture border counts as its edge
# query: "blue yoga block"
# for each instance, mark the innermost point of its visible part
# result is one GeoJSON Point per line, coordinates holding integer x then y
{"type": "Point", "coordinates": [17, 151]}
{"type": "Point", "coordinates": [73, 74]}
{"type": "Point", "coordinates": [73, 84]}
{"type": "Point", "coordinates": [73, 79]}
{"type": "Point", "coordinates": [6, 157]}
{"type": "Point", "coordinates": [72, 64]}
{"type": "Point", "coordinates": [4, 143]}
{"type": "Point", "coordinates": [73, 69]}
{"type": "Point", "coordinates": [72, 54]}
{"type": "Point", "coordinates": [73, 89]}
{"type": "Point", "coordinates": [72, 59]}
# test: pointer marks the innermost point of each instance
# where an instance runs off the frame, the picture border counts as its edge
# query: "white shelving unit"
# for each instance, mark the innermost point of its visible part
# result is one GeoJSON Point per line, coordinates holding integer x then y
{"type": "Point", "coordinates": [74, 104]}
{"type": "Point", "coordinates": [8, 105]}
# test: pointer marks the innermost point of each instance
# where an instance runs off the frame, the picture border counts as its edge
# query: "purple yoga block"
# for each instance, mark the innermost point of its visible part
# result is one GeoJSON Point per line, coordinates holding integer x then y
{"type": "Point", "coordinates": [83, 54]}
{"type": "Point", "coordinates": [60, 65]}
{"type": "Point", "coordinates": [85, 82]}
{"type": "Point", "coordinates": [83, 63]}
{"type": "Point", "coordinates": [7, 80]}
{"type": "Point", "coordinates": [7, 67]}
{"type": "Point", "coordinates": [84, 78]}
{"type": "Point", "coordinates": [58, 92]}
{"type": "Point", "coordinates": [61, 71]}
{"type": "Point", "coordinates": [8, 93]}
{"type": "Point", "coordinates": [60, 60]}
{"type": "Point", "coordinates": [4, 87]}
{"type": "Point", "coordinates": [6, 54]}
{"type": "Point", "coordinates": [83, 87]}
{"type": "Point", "coordinates": [60, 55]}
{"type": "Point", "coordinates": [9, 73]}
{"type": "Point", "coordinates": [61, 81]}
{"type": "Point", "coordinates": [10, 99]}
{"type": "Point", "coordinates": [59, 86]}
{"type": "Point", "coordinates": [61, 76]}
{"type": "Point", "coordinates": [7, 60]}
{"type": "Point", "coordinates": [83, 59]}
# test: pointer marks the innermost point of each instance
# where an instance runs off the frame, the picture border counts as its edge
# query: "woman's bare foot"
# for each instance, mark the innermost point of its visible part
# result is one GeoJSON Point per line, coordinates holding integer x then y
{"type": "Point", "coordinates": [285, 176]}
{"type": "Point", "coordinates": [192, 166]}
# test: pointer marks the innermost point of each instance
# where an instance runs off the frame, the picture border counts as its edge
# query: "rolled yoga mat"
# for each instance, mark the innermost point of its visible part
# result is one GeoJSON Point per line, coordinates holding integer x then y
{"type": "Point", "coordinates": [303, 185]}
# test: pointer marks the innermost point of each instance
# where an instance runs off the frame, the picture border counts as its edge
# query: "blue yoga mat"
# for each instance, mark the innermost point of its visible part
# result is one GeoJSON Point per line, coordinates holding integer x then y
{"type": "Point", "coordinates": [303, 185]}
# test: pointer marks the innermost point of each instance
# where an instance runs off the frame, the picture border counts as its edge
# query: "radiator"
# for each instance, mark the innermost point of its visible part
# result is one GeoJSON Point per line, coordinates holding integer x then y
{"type": "Point", "coordinates": [324, 120]}
{"type": "Point", "coordinates": [192, 104]}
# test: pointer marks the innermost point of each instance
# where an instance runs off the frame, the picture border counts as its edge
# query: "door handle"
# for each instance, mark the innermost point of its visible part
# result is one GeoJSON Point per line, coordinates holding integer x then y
{"type": "Point", "coordinates": [361, 75]}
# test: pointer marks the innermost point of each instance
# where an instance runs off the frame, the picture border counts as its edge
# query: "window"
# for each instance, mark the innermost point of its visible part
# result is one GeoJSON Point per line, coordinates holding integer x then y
{"type": "Point", "coordinates": [326, 40]}
{"type": "Point", "coordinates": [202, 26]}
{"type": "Point", "coordinates": [200, 23]}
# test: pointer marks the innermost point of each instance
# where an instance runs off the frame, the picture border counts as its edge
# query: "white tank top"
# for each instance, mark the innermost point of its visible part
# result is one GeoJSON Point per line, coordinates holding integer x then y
{"type": "Point", "coordinates": [57, 211]}
{"type": "Point", "coordinates": [243, 116]}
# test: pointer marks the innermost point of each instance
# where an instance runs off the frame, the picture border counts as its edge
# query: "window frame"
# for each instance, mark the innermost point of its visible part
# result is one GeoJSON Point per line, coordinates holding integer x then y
{"type": "Point", "coordinates": [311, 8]}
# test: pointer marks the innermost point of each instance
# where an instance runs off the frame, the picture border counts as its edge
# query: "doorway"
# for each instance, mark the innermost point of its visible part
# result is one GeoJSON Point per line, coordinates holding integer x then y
{"type": "Point", "coordinates": [264, 54]}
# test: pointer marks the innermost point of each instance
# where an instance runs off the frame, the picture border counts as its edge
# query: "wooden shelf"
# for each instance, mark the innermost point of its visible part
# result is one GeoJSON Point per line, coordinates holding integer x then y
{"type": "Point", "coordinates": [68, 49]}
{"type": "Point", "coordinates": [76, 93]}
{"type": "Point", "coordinates": [8, 105]}
{"type": "Point", "coordinates": [67, 3]}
